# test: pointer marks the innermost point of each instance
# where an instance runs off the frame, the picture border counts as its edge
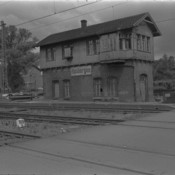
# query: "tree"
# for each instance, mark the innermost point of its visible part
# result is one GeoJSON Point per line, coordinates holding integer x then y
{"type": "Point", "coordinates": [19, 55]}
{"type": "Point", "coordinates": [164, 68]}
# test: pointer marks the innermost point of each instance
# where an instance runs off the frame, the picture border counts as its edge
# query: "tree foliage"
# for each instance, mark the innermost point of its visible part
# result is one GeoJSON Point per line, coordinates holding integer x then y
{"type": "Point", "coordinates": [164, 68]}
{"type": "Point", "coordinates": [19, 54]}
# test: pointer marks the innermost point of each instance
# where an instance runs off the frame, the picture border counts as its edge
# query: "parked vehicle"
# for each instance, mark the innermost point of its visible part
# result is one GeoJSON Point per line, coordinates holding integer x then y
{"type": "Point", "coordinates": [21, 96]}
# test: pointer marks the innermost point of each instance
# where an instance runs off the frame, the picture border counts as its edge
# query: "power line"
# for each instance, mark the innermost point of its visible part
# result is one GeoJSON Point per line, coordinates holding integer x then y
{"type": "Point", "coordinates": [165, 20]}
{"type": "Point", "coordinates": [55, 13]}
{"type": "Point", "coordinates": [78, 16]}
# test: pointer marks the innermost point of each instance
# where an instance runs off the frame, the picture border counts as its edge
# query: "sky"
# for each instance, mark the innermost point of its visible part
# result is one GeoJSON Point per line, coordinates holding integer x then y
{"type": "Point", "coordinates": [22, 14]}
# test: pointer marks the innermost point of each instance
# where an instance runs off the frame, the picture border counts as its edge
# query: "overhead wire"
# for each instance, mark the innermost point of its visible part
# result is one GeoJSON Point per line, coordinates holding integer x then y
{"type": "Point", "coordinates": [55, 13]}
{"type": "Point", "coordinates": [165, 20]}
{"type": "Point", "coordinates": [94, 11]}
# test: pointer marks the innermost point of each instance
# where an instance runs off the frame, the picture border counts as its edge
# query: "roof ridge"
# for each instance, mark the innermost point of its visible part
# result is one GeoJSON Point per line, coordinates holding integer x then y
{"type": "Point", "coordinates": [101, 23]}
{"type": "Point", "coordinates": [98, 29]}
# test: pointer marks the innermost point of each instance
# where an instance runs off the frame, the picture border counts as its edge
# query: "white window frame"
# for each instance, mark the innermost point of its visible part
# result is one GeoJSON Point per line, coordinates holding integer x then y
{"type": "Point", "coordinates": [67, 51]}
{"type": "Point", "coordinates": [125, 41]}
{"type": "Point", "coordinates": [93, 47]}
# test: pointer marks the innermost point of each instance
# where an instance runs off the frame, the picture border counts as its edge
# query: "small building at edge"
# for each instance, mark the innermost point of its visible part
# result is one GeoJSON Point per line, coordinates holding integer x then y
{"type": "Point", "coordinates": [110, 61]}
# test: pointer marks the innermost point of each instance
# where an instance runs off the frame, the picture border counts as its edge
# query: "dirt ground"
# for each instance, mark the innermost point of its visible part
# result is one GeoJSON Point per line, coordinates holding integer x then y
{"type": "Point", "coordinates": [46, 129]}
{"type": "Point", "coordinates": [42, 129]}
{"type": "Point", "coordinates": [81, 113]}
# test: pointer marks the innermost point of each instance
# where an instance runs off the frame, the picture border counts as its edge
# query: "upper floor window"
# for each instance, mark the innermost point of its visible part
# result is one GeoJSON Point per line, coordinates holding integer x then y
{"type": "Point", "coordinates": [143, 43]}
{"type": "Point", "coordinates": [108, 43]}
{"type": "Point", "coordinates": [50, 54]}
{"type": "Point", "coordinates": [125, 41]}
{"type": "Point", "coordinates": [68, 51]}
{"type": "Point", "coordinates": [92, 46]}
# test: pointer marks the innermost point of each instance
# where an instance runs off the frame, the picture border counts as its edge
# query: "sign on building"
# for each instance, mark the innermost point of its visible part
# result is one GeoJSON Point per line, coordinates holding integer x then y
{"type": "Point", "coordinates": [83, 70]}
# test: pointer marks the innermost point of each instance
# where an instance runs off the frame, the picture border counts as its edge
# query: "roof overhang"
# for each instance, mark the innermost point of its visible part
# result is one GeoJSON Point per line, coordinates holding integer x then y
{"type": "Point", "coordinates": [151, 23]}
{"type": "Point", "coordinates": [101, 28]}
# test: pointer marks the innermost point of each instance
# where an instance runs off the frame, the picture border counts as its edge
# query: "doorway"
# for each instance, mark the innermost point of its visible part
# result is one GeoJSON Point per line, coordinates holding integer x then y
{"type": "Point", "coordinates": [112, 87]}
{"type": "Point", "coordinates": [144, 87]}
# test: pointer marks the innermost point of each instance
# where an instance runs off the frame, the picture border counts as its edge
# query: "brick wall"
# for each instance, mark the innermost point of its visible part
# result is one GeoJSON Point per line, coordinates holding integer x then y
{"type": "Point", "coordinates": [81, 87]}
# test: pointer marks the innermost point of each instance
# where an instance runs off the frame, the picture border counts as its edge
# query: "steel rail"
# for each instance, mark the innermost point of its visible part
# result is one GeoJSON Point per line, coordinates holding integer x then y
{"type": "Point", "coordinates": [8, 138]}
{"type": "Point", "coordinates": [124, 147]}
{"type": "Point", "coordinates": [154, 121]}
{"type": "Point", "coordinates": [81, 159]}
{"type": "Point", "coordinates": [146, 126]}
{"type": "Point", "coordinates": [90, 107]}
{"type": "Point", "coordinates": [19, 134]}
{"type": "Point", "coordinates": [59, 119]}
{"type": "Point", "coordinates": [77, 120]}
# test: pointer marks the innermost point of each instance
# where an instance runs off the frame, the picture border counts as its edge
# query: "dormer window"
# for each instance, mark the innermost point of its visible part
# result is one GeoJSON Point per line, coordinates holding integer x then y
{"type": "Point", "coordinates": [67, 51]}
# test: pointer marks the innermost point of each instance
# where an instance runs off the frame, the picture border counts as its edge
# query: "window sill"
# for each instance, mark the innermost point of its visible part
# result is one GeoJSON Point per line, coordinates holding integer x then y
{"type": "Point", "coordinates": [67, 57]}
{"type": "Point", "coordinates": [98, 98]}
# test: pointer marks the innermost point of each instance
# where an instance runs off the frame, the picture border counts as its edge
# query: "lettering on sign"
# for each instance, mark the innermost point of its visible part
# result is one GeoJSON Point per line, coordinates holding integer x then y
{"type": "Point", "coordinates": [83, 70]}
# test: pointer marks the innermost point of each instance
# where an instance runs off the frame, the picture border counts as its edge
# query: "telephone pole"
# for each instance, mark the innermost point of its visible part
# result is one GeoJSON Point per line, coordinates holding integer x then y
{"type": "Point", "coordinates": [4, 61]}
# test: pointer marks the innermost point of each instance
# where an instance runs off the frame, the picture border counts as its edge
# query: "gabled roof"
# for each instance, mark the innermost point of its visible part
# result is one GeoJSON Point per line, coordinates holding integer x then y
{"type": "Point", "coordinates": [102, 28]}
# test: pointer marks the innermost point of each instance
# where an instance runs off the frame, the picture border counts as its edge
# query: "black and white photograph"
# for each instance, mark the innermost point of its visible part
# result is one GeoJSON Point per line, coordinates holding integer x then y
{"type": "Point", "coordinates": [87, 87]}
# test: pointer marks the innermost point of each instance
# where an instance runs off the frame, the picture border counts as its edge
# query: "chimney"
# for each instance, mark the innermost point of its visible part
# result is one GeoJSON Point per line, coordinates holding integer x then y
{"type": "Point", "coordinates": [83, 23]}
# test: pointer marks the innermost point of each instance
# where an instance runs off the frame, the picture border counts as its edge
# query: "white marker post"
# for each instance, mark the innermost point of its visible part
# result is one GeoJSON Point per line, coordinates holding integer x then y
{"type": "Point", "coordinates": [20, 123]}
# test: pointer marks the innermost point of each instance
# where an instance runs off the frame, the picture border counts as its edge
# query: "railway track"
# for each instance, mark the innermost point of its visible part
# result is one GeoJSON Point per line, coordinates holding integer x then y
{"type": "Point", "coordinates": [7, 137]}
{"type": "Point", "coordinates": [80, 120]}
{"type": "Point", "coordinates": [109, 107]}
{"type": "Point", "coordinates": [58, 119]}
{"type": "Point", "coordinates": [85, 160]}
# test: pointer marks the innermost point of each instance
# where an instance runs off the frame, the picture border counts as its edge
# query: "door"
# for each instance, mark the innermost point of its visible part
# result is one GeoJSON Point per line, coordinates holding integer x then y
{"type": "Point", "coordinates": [112, 87]}
{"type": "Point", "coordinates": [56, 89]}
{"type": "Point", "coordinates": [143, 87]}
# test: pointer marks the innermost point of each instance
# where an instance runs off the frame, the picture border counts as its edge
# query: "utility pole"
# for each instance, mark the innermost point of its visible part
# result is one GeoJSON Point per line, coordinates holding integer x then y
{"type": "Point", "coordinates": [4, 61]}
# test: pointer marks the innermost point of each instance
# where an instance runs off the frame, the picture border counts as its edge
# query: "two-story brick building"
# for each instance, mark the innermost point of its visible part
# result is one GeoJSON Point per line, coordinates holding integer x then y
{"type": "Point", "coordinates": [106, 61]}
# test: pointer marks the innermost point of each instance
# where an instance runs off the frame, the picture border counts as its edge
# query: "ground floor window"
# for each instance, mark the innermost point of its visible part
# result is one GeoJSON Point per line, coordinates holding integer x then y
{"type": "Point", "coordinates": [98, 91]}
{"type": "Point", "coordinates": [56, 89]}
{"type": "Point", "coordinates": [112, 87]}
{"type": "Point", "coordinates": [67, 88]}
